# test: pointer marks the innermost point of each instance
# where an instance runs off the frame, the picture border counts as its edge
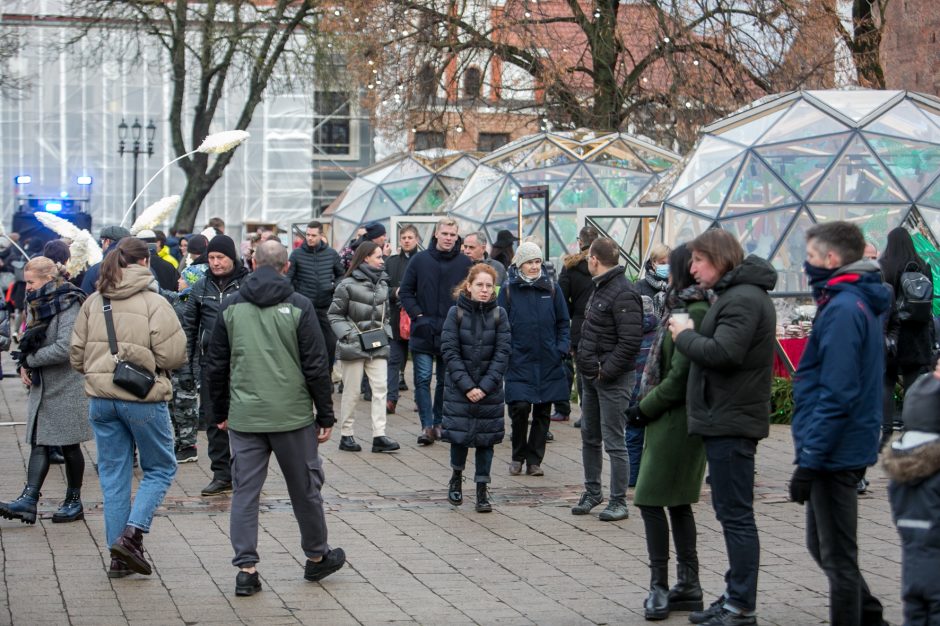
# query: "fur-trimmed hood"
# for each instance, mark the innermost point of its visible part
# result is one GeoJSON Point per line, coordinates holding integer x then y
{"type": "Point", "coordinates": [570, 260]}
{"type": "Point", "coordinates": [910, 466]}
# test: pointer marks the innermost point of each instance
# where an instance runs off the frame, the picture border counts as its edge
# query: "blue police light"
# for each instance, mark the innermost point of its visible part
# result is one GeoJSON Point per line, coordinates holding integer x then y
{"type": "Point", "coordinates": [23, 179]}
{"type": "Point", "coordinates": [63, 194]}
{"type": "Point", "coordinates": [84, 181]}
{"type": "Point", "coordinates": [53, 207]}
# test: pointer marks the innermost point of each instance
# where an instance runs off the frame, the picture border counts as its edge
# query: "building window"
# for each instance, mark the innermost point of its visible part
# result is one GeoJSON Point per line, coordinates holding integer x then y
{"type": "Point", "coordinates": [472, 82]}
{"type": "Point", "coordinates": [427, 81]}
{"type": "Point", "coordinates": [488, 142]}
{"type": "Point", "coordinates": [427, 139]}
{"type": "Point", "coordinates": [332, 123]}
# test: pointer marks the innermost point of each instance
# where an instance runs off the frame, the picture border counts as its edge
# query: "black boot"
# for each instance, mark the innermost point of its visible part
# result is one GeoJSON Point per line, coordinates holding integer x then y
{"type": "Point", "coordinates": [23, 508]}
{"type": "Point", "coordinates": [71, 509]}
{"type": "Point", "coordinates": [455, 489]}
{"type": "Point", "coordinates": [483, 499]}
{"type": "Point", "coordinates": [657, 606]}
{"type": "Point", "coordinates": [686, 594]}
{"type": "Point", "coordinates": [129, 547]}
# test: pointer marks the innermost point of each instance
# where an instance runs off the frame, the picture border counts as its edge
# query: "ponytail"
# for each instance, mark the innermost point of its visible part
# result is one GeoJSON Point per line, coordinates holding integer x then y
{"type": "Point", "coordinates": [128, 251]}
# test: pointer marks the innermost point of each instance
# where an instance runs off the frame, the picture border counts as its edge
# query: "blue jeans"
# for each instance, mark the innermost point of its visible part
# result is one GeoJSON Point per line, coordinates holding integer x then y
{"type": "Point", "coordinates": [118, 426]}
{"type": "Point", "coordinates": [634, 441]}
{"type": "Point", "coordinates": [731, 467]}
{"type": "Point", "coordinates": [484, 461]}
{"type": "Point", "coordinates": [423, 364]}
{"type": "Point", "coordinates": [397, 355]}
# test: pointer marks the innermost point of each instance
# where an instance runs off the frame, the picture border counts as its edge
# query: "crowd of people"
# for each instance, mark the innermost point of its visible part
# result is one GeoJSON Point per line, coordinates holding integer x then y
{"type": "Point", "coordinates": [672, 372]}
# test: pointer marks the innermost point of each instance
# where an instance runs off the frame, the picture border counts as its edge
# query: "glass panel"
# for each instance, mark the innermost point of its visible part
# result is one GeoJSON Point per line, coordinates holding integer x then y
{"type": "Point", "coordinates": [760, 233]}
{"type": "Point", "coordinates": [621, 187]}
{"type": "Point", "coordinates": [858, 176]}
{"type": "Point", "coordinates": [580, 192]}
{"type": "Point", "coordinates": [546, 154]}
{"type": "Point", "coordinates": [932, 195]}
{"type": "Point", "coordinates": [461, 168]}
{"type": "Point", "coordinates": [506, 204]}
{"type": "Point", "coordinates": [932, 219]}
{"type": "Point", "coordinates": [855, 104]}
{"type": "Point", "coordinates": [801, 163]}
{"type": "Point", "coordinates": [930, 113]}
{"type": "Point", "coordinates": [757, 188]}
{"type": "Point", "coordinates": [750, 131]}
{"type": "Point", "coordinates": [710, 154]}
{"type": "Point", "coordinates": [381, 207]}
{"type": "Point", "coordinates": [407, 168]}
{"type": "Point", "coordinates": [913, 163]}
{"type": "Point", "coordinates": [476, 207]}
{"type": "Point", "coordinates": [803, 120]}
{"type": "Point", "coordinates": [431, 200]}
{"type": "Point", "coordinates": [564, 231]}
{"type": "Point", "coordinates": [874, 220]}
{"type": "Point", "coordinates": [353, 211]}
{"type": "Point", "coordinates": [482, 178]}
{"type": "Point", "coordinates": [656, 161]}
{"type": "Point", "coordinates": [405, 192]}
{"type": "Point", "coordinates": [706, 195]}
{"type": "Point", "coordinates": [342, 231]}
{"type": "Point", "coordinates": [554, 177]}
{"type": "Point", "coordinates": [451, 184]}
{"type": "Point", "coordinates": [788, 260]}
{"type": "Point", "coordinates": [680, 227]}
{"type": "Point", "coordinates": [908, 121]}
{"type": "Point", "coordinates": [619, 154]}
{"type": "Point", "coordinates": [508, 161]}
{"type": "Point", "coordinates": [357, 188]}
{"type": "Point", "coordinates": [379, 175]}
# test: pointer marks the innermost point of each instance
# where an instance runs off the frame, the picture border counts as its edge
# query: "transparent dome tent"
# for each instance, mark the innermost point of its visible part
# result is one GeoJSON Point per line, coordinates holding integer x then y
{"type": "Point", "coordinates": [772, 170]}
{"type": "Point", "coordinates": [582, 170]}
{"type": "Point", "coordinates": [416, 183]}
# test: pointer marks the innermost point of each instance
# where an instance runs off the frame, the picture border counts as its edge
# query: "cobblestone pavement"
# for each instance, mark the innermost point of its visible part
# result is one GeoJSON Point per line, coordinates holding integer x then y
{"type": "Point", "coordinates": [412, 557]}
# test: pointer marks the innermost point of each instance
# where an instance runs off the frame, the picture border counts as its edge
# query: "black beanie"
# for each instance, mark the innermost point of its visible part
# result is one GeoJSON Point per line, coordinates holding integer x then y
{"type": "Point", "coordinates": [223, 244]}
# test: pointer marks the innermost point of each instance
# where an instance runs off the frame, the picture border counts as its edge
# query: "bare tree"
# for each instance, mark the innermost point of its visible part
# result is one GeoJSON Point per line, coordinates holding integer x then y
{"type": "Point", "coordinates": [658, 67]}
{"type": "Point", "coordinates": [12, 85]}
{"type": "Point", "coordinates": [231, 50]}
{"type": "Point", "coordinates": [864, 39]}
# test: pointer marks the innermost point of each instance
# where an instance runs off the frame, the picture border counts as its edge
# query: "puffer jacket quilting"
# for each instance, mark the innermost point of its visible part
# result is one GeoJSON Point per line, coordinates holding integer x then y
{"type": "Point", "coordinates": [359, 305]}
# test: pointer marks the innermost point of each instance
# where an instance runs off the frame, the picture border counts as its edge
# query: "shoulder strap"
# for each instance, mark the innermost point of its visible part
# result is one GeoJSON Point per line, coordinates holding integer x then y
{"type": "Point", "coordinates": [459, 317]}
{"type": "Point", "coordinates": [109, 324]}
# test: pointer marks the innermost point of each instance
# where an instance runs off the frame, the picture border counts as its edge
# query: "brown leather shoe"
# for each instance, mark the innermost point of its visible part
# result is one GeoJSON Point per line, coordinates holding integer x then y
{"type": "Point", "coordinates": [438, 432]}
{"type": "Point", "coordinates": [118, 569]}
{"type": "Point", "coordinates": [390, 406]}
{"type": "Point", "coordinates": [129, 547]}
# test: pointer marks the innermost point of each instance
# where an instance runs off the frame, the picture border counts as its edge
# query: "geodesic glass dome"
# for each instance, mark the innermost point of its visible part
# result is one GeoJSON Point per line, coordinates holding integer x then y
{"type": "Point", "coordinates": [415, 183]}
{"type": "Point", "coordinates": [769, 172]}
{"type": "Point", "coordinates": [582, 169]}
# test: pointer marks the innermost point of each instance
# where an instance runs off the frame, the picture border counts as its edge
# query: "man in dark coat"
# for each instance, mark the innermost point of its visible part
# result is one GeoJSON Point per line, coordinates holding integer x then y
{"type": "Point", "coordinates": [226, 275]}
{"type": "Point", "coordinates": [108, 236]}
{"type": "Point", "coordinates": [315, 268]}
{"type": "Point", "coordinates": [837, 416]}
{"type": "Point", "coordinates": [426, 295]}
{"type": "Point", "coordinates": [577, 286]}
{"type": "Point", "coordinates": [398, 348]}
{"type": "Point", "coordinates": [610, 341]}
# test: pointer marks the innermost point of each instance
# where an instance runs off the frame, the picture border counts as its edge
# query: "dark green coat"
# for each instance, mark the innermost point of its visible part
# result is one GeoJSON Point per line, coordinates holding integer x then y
{"type": "Point", "coordinates": [673, 461]}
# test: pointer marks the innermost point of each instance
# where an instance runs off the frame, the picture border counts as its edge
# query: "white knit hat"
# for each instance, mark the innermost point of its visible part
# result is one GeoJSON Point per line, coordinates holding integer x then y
{"type": "Point", "coordinates": [526, 252]}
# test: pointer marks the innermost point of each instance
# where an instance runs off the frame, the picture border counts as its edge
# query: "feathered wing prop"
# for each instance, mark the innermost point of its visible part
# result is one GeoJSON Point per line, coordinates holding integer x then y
{"type": "Point", "coordinates": [61, 227]}
{"type": "Point", "coordinates": [83, 253]}
{"type": "Point", "coordinates": [155, 214]}
{"type": "Point", "coordinates": [208, 233]}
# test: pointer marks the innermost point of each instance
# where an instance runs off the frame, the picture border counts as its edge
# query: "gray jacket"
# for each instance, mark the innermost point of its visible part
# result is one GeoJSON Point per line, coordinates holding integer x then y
{"type": "Point", "coordinates": [359, 305]}
{"type": "Point", "coordinates": [57, 407]}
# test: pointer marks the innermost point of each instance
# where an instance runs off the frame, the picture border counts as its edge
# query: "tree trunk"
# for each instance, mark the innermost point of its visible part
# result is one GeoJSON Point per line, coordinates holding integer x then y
{"type": "Point", "coordinates": [198, 187]}
{"type": "Point", "coordinates": [867, 50]}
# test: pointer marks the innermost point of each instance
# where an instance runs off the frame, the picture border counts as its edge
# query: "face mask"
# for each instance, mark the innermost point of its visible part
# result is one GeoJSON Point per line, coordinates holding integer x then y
{"type": "Point", "coordinates": [662, 271]}
{"type": "Point", "coordinates": [816, 274]}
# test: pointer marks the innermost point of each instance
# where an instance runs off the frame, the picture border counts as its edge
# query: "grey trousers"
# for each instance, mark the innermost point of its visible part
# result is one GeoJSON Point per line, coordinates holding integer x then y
{"type": "Point", "coordinates": [296, 453]}
{"type": "Point", "coordinates": [603, 421]}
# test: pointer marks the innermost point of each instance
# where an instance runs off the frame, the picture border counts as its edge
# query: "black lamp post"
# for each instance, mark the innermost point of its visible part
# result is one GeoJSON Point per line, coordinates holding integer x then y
{"type": "Point", "coordinates": [136, 150]}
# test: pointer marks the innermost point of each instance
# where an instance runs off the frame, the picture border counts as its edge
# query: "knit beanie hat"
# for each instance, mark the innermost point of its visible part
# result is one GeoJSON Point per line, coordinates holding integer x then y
{"type": "Point", "coordinates": [374, 230]}
{"type": "Point", "coordinates": [526, 252]}
{"type": "Point", "coordinates": [197, 245]}
{"type": "Point", "coordinates": [223, 244]}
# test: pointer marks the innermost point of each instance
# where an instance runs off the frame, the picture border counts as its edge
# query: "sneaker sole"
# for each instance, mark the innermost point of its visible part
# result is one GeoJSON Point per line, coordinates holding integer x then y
{"type": "Point", "coordinates": [247, 591]}
{"type": "Point", "coordinates": [66, 520]}
{"type": "Point", "coordinates": [191, 459]}
{"type": "Point", "coordinates": [139, 567]}
{"type": "Point", "coordinates": [216, 493]}
{"type": "Point", "coordinates": [26, 519]}
{"type": "Point", "coordinates": [386, 449]}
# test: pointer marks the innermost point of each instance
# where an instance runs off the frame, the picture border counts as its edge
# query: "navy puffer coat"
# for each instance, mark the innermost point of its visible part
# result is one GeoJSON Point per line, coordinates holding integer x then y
{"type": "Point", "coordinates": [476, 352]}
{"type": "Point", "coordinates": [540, 339]}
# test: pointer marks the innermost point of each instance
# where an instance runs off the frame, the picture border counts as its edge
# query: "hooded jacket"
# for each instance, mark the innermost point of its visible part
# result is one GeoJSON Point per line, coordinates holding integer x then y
{"type": "Point", "coordinates": [148, 334]}
{"type": "Point", "coordinates": [577, 285]}
{"type": "Point", "coordinates": [426, 292]}
{"type": "Point", "coordinates": [360, 304]}
{"type": "Point", "coordinates": [838, 385]}
{"type": "Point", "coordinates": [613, 327]}
{"type": "Point", "coordinates": [267, 365]}
{"type": "Point", "coordinates": [732, 355]}
{"type": "Point", "coordinates": [314, 272]}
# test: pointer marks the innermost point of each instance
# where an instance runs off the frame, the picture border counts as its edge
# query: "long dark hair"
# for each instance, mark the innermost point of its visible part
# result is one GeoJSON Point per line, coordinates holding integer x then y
{"type": "Point", "coordinates": [680, 266]}
{"type": "Point", "coordinates": [363, 250]}
{"type": "Point", "coordinates": [899, 251]}
{"type": "Point", "coordinates": [128, 251]}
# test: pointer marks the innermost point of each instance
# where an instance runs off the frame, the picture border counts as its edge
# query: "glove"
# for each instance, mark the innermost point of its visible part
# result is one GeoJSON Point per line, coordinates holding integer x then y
{"type": "Point", "coordinates": [187, 382]}
{"type": "Point", "coordinates": [637, 418]}
{"type": "Point", "coordinates": [801, 484]}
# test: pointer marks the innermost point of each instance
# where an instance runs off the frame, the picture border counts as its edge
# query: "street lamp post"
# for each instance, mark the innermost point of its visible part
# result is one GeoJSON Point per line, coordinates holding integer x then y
{"type": "Point", "coordinates": [136, 149]}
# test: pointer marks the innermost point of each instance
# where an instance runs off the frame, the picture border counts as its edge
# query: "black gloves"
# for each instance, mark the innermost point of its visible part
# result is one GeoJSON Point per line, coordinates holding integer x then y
{"type": "Point", "coordinates": [636, 418]}
{"type": "Point", "coordinates": [801, 484]}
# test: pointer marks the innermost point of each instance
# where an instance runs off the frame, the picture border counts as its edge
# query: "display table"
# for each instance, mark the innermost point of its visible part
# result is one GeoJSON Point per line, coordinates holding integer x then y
{"type": "Point", "coordinates": [787, 356]}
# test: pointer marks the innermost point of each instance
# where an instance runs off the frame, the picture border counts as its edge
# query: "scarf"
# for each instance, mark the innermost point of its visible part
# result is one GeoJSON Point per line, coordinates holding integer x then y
{"type": "Point", "coordinates": [44, 304]}
{"type": "Point", "coordinates": [528, 280]}
{"type": "Point", "coordinates": [652, 373]}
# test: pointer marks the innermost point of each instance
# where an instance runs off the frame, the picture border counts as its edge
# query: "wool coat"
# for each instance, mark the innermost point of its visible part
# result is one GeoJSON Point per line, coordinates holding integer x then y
{"type": "Point", "coordinates": [57, 408]}
{"type": "Point", "coordinates": [540, 339]}
{"type": "Point", "coordinates": [476, 345]}
{"type": "Point", "coordinates": [673, 462]}
{"type": "Point", "coordinates": [359, 304]}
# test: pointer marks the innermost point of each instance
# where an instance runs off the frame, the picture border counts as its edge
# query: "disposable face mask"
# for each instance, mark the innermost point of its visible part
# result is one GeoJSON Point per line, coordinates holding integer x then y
{"type": "Point", "coordinates": [662, 271]}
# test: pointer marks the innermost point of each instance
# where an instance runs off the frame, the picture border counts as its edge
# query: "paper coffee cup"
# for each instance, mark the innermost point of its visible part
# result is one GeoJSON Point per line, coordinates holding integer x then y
{"type": "Point", "coordinates": [681, 318]}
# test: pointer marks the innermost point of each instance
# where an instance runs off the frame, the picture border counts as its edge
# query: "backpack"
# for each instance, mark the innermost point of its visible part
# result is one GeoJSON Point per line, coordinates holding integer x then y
{"type": "Point", "coordinates": [915, 296]}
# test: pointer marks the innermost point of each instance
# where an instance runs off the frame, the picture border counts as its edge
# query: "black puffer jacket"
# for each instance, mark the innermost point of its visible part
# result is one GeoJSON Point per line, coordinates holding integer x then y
{"type": "Point", "coordinates": [577, 286]}
{"type": "Point", "coordinates": [613, 327]}
{"type": "Point", "coordinates": [202, 309]}
{"type": "Point", "coordinates": [476, 351]}
{"type": "Point", "coordinates": [395, 268]}
{"type": "Point", "coordinates": [314, 273]}
{"type": "Point", "coordinates": [732, 356]}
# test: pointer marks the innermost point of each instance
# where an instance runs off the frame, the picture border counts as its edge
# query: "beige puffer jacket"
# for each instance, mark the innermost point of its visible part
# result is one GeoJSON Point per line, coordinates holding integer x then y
{"type": "Point", "coordinates": [148, 334]}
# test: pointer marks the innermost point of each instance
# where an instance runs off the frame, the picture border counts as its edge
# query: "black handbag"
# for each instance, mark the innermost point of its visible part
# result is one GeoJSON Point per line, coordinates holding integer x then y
{"type": "Point", "coordinates": [128, 376]}
{"type": "Point", "coordinates": [374, 339]}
